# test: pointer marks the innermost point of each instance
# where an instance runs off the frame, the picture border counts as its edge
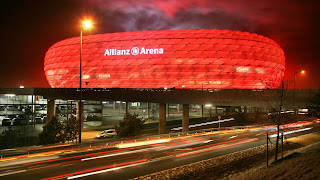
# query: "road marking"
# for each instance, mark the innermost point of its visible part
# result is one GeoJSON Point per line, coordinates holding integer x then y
{"type": "Point", "coordinates": [143, 161]}
{"type": "Point", "coordinates": [185, 149]}
{"type": "Point", "coordinates": [13, 172]}
{"type": "Point", "coordinates": [233, 137]}
{"type": "Point", "coordinates": [208, 141]}
{"type": "Point", "coordinates": [216, 147]}
{"type": "Point", "coordinates": [89, 172]}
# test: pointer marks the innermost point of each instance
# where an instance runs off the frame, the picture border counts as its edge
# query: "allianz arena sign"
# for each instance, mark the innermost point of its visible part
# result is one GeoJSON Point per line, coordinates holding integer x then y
{"type": "Point", "coordinates": [193, 59]}
{"type": "Point", "coordinates": [133, 51]}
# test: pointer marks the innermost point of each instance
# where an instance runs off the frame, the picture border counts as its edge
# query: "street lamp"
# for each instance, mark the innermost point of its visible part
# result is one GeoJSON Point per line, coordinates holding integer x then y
{"type": "Point", "coordinates": [86, 25]}
{"type": "Point", "coordinates": [302, 72]}
{"type": "Point", "coordinates": [294, 81]}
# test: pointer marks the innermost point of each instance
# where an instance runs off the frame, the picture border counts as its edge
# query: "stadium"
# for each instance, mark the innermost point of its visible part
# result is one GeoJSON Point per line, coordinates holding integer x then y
{"type": "Point", "coordinates": [189, 59]}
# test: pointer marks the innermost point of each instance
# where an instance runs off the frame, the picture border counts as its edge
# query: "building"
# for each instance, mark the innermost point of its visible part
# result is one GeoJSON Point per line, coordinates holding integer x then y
{"type": "Point", "coordinates": [191, 59]}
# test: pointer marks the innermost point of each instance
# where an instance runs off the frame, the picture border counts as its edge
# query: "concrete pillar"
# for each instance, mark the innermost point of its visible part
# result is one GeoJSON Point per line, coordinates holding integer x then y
{"type": "Point", "coordinates": [120, 107]}
{"type": "Point", "coordinates": [185, 118]}
{"type": "Point", "coordinates": [162, 118]}
{"type": "Point", "coordinates": [216, 110]}
{"type": "Point", "coordinates": [51, 108]}
{"type": "Point", "coordinates": [114, 104]}
{"type": "Point", "coordinates": [167, 110]}
{"type": "Point", "coordinates": [138, 105]}
{"type": "Point", "coordinates": [105, 111]}
{"type": "Point", "coordinates": [127, 107]}
{"type": "Point", "coordinates": [80, 109]}
{"type": "Point", "coordinates": [201, 111]}
{"type": "Point", "coordinates": [148, 110]}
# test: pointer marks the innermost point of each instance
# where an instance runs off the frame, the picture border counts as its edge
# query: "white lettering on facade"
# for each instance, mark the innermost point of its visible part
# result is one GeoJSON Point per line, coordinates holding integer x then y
{"type": "Point", "coordinates": [133, 51]}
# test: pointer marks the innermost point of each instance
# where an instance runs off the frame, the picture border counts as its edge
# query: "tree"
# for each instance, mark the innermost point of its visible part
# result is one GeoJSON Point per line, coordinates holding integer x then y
{"type": "Point", "coordinates": [279, 98]}
{"type": "Point", "coordinates": [52, 132]}
{"type": "Point", "coordinates": [131, 125]}
{"type": "Point", "coordinates": [72, 129]}
{"type": "Point", "coordinates": [314, 105]}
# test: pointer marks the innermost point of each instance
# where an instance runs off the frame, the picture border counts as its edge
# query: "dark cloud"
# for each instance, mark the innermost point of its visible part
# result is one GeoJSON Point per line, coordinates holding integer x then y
{"type": "Point", "coordinates": [291, 23]}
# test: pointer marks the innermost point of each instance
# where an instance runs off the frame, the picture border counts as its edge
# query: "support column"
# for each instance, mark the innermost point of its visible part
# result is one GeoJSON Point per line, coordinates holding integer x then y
{"type": "Point", "coordinates": [168, 110]}
{"type": "Point", "coordinates": [80, 108]}
{"type": "Point", "coordinates": [202, 111]}
{"type": "Point", "coordinates": [114, 104]}
{"type": "Point", "coordinates": [216, 110]}
{"type": "Point", "coordinates": [162, 118]}
{"type": "Point", "coordinates": [138, 105]}
{"type": "Point", "coordinates": [105, 111]}
{"type": "Point", "coordinates": [127, 107]}
{"type": "Point", "coordinates": [185, 118]}
{"type": "Point", "coordinates": [148, 110]}
{"type": "Point", "coordinates": [120, 107]}
{"type": "Point", "coordinates": [51, 108]}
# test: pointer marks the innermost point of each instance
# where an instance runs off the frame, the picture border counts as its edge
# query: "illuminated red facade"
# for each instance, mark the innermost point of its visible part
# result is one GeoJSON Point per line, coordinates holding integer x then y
{"type": "Point", "coordinates": [209, 59]}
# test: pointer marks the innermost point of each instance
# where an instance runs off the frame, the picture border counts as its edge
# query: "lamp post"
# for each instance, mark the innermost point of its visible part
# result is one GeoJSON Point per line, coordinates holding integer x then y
{"type": "Point", "coordinates": [86, 25]}
{"type": "Point", "coordinates": [294, 90]}
{"type": "Point", "coordinates": [302, 72]}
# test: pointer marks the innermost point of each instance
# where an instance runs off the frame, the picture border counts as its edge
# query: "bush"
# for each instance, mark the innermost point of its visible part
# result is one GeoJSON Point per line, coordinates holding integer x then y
{"type": "Point", "coordinates": [131, 125]}
{"type": "Point", "coordinates": [52, 132]}
{"type": "Point", "coordinates": [72, 129]}
{"type": "Point", "coordinates": [10, 138]}
{"type": "Point", "coordinates": [240, 119]}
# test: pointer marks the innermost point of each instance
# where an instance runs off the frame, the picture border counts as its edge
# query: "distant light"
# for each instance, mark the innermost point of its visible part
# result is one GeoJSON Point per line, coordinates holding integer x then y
{"type": "Point", "coordinates": [86, 77]}
{"type": "Point", "coordinates": [208, 105]}
{"type": "Point", "coordinates": [104, 102]}
{"type": "Point", "coordinates": [302, 71]}
{"type": "Point", "coordinates": [87, 24]}
{"type": "Point", "coordinates": [165, 88]}
{"type": "Point", "coordinates": [21, 87]}
{"type": "Point", "coordinates": [183, 86]}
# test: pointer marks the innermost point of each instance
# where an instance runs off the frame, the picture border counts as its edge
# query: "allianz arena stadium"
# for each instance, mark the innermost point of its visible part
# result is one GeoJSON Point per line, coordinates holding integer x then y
{"type": "Point", "coordinates": [191, 59]}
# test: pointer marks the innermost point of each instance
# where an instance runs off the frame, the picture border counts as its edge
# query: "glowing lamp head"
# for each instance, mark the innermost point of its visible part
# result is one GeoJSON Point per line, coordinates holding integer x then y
{"type": "Point", "coordinates": [87, 24]}
{"type": "Point", "coordinates": [302, 71]}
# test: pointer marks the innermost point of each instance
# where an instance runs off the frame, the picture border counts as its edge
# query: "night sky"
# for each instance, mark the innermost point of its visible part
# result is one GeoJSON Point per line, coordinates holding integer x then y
{"type": "Point", "coordinates": [30, 27]}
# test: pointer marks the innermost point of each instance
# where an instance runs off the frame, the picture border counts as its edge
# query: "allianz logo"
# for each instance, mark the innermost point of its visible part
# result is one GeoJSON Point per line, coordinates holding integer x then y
{"type": "Point", "coordinates": [133, 51]}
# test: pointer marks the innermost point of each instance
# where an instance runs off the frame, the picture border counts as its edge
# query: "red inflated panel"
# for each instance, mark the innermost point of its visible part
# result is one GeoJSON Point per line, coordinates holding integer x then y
{"type": "Point", "coordinates": [211, 59]}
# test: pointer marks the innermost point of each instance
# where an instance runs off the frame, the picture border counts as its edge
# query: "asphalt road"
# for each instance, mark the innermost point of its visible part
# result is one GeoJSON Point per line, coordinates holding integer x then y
{"type": "Point", "coordinates": [129, 160]}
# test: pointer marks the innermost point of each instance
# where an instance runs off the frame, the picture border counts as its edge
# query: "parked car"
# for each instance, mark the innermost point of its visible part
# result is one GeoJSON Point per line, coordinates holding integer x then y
{"type": "Point", "coordinates": [2, 108]}
{"type": "Point", "coordinates": [107, 133]}
{"type": "Point", "coordinates": [95, 110]}
{"type": "Point", "coordinates": [63, 107]}
{"type": "Point", "coordinates": [6, 122]}
{"type": "Point", "coordinates": [12, 108]}
{"type": "Point", "coordinates": [11, 116]}
{"type": "Point", "coordinates": [91, 117]}
{"type": "Point", "coordinates": [44, 119]}
{"type": "Point", "coordinates": [40, 108]}
{"type": "Point", "coordinates": [38, 120]}
{"type": "Point", "coordinates": [21, 116]}
{"type": "Point", "coordinates": [18, 121]}
{"type": "Point", "coordinates": [26, 110]}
